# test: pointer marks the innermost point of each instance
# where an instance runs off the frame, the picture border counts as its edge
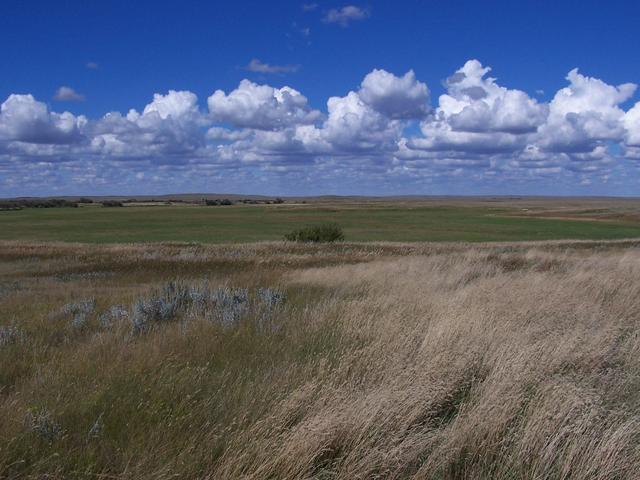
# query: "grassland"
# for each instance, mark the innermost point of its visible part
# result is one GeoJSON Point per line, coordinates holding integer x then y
{"type": "Point", "coordinates": [426, 361]}
{"type": "Point", "coordinates": [372, 221]}
{"type": "Point", "coordinates": [204, 357]}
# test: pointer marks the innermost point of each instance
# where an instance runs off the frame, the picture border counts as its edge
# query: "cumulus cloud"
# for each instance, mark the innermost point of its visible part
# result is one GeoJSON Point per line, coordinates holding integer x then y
{"type": "Point", "coordinates": [632, 126]}
{"type": "Point", "coordinates": [584, 113]}
{"type": "Point", "coordinates": [261, 106]}
{"type": "Point", "coordinates": [257, 66]}
{"type": "Point", "coordinates": [68, 94]}
{"type": "Point", "coordinates": [175, 104]}
{"type": "Point", "coordinates": [170, 125]}
{"type": "Point", "coordinates": [24, 119]}
{"type": "Point", "coordinates": [345, 15]}
{"type": "Point", "coordinates": [479, 130]}
{"type": "Point", "coordinates": [92, 65]}
{"type": "Point", "coordinates": [353, 125]}
{"type": "Point", "coordinates": [478, 116]}
{"type": "Point", "coordinates": [474, 103]}
{"type": "Point", "coordinates": [396, 97]}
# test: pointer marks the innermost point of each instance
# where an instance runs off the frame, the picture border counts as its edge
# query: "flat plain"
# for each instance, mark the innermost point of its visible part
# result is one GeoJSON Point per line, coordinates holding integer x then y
{"type": "Point", "coordinates": [374, 359]}
{"type": "Point", "coordinates": [363, 220]}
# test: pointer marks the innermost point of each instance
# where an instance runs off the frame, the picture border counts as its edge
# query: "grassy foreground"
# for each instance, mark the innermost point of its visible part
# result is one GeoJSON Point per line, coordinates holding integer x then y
{"type": "Point", "coordinates": [362, 222]}
{"type": "Point", "coordinates": [347, 361]}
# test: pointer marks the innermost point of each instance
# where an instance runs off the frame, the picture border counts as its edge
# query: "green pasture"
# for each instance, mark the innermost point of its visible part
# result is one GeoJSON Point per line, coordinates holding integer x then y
{"type": "Point", "coordinates": [361, 223]}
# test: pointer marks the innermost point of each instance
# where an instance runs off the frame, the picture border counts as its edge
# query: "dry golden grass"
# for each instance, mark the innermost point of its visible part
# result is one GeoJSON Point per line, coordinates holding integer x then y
{"type": "Point", "coordinates": [388, 361]}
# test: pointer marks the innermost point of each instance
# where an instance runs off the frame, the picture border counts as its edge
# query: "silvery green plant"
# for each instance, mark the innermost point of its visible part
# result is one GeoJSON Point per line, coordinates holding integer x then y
{"type": "Point", "coordinates": [79, 322]}
{"type": "Point", "coordinates": [231, 304]}
{"type": "Point", "coordinates": [226, 306]}
{"type": "Point", "coordinates": [113, 314]}
{"type": "Point", "coordinates": [42, 423]}
{"type": "Point", "coordinates": [83, 306]}
{"type": "Point", "coordinates": [96, 430]}
{"type": "Point", "coordinates": [139, 320]}
{"type": "Point", "coordinates": [162, 306]}
{"type": "Point", "coordinates": [271, 297]}
{"type": "Point", "coordinates": [80, 311]}
{"type": "Point", "coordinates": [9, 288]}
{"type": "Point", "coordinates": [10, 334]}
{"type": "Point", "coordinates": [70, 277]}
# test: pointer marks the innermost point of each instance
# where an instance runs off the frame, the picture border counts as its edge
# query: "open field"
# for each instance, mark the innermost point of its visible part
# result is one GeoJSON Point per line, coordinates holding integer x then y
{"type": "Point", "coordinates": [410, 220]}
{"type": "Point", "coordinates": [276, 360]}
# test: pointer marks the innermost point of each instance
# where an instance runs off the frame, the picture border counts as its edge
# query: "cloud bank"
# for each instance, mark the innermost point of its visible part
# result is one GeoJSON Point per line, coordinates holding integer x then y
{"type": "Point", "coordinates": [385, 137]}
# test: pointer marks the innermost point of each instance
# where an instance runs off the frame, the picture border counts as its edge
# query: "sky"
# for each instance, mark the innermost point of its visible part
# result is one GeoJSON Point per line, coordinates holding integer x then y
{"type": "Point", "coordinates": [311, 98]}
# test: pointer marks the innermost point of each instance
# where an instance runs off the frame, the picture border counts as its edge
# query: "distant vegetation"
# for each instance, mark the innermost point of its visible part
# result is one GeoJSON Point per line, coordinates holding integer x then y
{"type": "Point", "coordinates": [36, 203]}
{"type": "Point", "coordinates": [112, 203]}
{"type": "Point", "coordinates": [328, 232]}
{"type": "Point", "coordinates": [217, 202]}
{"type": "Point", "coordinates": [246, 201]}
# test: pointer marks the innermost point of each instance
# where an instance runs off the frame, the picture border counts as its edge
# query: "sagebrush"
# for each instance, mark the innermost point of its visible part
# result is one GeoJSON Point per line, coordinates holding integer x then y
{"type": "Point", "coordinates": [328, 232]}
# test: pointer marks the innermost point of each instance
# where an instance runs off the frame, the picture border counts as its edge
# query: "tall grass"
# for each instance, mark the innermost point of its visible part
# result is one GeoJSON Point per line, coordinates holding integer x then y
{"type": "Point", "coordinates": [491, 362]}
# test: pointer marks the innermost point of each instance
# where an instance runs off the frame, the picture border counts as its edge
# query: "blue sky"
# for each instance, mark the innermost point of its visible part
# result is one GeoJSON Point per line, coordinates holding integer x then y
{"type": "Point", "coordinates": [423, 117]}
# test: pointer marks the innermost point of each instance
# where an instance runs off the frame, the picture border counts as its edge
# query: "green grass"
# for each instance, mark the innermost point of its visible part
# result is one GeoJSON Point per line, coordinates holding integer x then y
{"type": "Point", "coordinates": [254, 223]}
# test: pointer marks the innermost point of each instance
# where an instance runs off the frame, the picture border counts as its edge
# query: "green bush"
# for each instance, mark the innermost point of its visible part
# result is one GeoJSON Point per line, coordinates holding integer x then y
{"type": "Point", "coordinates": [218, 202]}
{"type": "Point", "coordinates": [112, 203]}
{"type": "Point", "coordinates": [328, 232]}
{"type": "Point", "coordinates": [19, 204]}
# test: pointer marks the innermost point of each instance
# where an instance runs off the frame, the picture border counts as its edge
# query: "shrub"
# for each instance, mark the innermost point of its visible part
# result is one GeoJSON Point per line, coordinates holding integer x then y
{"type": "Point", "coordinates": [112, 203]}
{"type": "Point", "coordinates": [218, 202]}
{"type": "Point", "coordinates": [223, 305]}
{"type": "Point", "coordinates": [113, 314]}
{"type": "Point", "coordinates": [80, 311]}
{"type": "Point", "coordinates": [36, 203]}
{"type": "Point", "coordinates": [329, 232]}
{"type": "Point", "coordinates": [42, 423]}
{"type": "Point", "coordinates": [9, 335]}
{"type": "Point", "coordinates": [84, 306]}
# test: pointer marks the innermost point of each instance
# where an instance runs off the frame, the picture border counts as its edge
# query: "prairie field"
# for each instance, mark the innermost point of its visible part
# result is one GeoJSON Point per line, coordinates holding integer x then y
{"type": "Point", "coordinates": [353, 360]}
{"type": "Point", "coordinates": [363, 220]}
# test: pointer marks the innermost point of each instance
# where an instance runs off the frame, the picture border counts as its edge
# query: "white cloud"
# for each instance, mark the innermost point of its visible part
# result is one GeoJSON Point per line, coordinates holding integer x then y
{"type": "Point", "coordinates": [345, 15]}
{"type": "Point", "coordinates": [24, 119]}
{"type": "Point", "coordinates": [478, 116]}
{"type": "Point", "coordinates": [257, 66]}
{"type": "Point", "coordinates": [68, 94]}
{"type": "Point", "coordinates": [170, 125]}
{"type": "Point", "coordinates": [353, 125]}
{"type": "Point", "coordinates": [261, 107]}
{"type": "Point", "coordinates": [474, 103]}
{"type": "Point", "coordinates": [632, 126]}
{"type": "Point", "coordinates": [479, 130]}
{"type": "Point", "coordinates": [396, 97]}
{"type": "Point", "coordinates": [92, 65]}
{"type": "Point", "coordinates": [175, 104]}
{"type": "Point", "coordinates": [585, 112]}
